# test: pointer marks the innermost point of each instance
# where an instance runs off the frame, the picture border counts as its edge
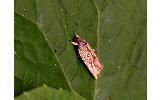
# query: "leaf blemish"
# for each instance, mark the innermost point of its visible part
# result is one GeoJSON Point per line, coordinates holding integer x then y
{"type": "Point", "coordinates": [61, 10]}
{"type": "Point", "coordinates": [76, 24]}
{"type": "Point", "coordinates": [55, 50]}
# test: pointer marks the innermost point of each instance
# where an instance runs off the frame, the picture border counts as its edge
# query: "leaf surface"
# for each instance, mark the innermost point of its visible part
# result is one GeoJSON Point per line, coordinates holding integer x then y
{"type": "Point", "coordinates": [44, 54]}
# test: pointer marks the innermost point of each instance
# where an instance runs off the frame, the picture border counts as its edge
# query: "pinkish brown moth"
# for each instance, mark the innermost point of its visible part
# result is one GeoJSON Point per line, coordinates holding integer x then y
{"type": "Point", "coordinates": [88, 56]}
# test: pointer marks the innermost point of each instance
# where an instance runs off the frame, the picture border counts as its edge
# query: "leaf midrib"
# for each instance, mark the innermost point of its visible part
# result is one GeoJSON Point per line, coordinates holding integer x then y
{"type": "Point", "coordinates": [98, 27]}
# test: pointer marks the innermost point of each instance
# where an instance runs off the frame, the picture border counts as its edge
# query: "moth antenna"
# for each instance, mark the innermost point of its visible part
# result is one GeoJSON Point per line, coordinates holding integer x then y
{"type": "Point", "coordinates": [76, 35]}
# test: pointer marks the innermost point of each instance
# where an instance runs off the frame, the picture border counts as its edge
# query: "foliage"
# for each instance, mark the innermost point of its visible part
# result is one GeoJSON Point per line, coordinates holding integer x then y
{"type": "Point", "coordinates": [44, 54]}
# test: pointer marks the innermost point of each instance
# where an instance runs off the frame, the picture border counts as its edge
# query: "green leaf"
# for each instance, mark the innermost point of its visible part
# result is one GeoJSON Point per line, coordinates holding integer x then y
{"type": "Point", "coordinates": [35, 63]}
{"type": "Point", "coordinates": [122, 49]}
{"type": "Point", "coordinates": [116, 29]}
{"type": "Point", "coordinates": [43, 53]}
{"type": "Point", "coordinates": [47, 93]}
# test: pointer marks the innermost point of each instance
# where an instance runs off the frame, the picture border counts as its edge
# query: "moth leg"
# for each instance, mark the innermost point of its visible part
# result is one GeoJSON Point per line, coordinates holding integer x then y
{"type": "Point", "coordinates": [74, 43]}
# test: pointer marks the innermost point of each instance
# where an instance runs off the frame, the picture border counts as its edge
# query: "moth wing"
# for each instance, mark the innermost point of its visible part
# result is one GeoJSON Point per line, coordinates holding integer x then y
{"type": "Point", "coordinates": [90, 59]}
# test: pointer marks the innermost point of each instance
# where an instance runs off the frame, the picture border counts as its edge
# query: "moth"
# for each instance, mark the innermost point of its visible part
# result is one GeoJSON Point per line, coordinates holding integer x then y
{"type": "Point", "coordinates": [88, 56]}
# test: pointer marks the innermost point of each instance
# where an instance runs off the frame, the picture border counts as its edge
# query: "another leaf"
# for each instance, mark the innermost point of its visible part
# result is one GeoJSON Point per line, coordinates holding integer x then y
{"type": "Point", "coordinates": [47, 93]}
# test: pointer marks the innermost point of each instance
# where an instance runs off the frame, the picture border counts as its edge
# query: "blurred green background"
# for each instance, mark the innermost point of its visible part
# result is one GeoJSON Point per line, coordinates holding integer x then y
{"type": "Point", "coordinates": [46, 64]}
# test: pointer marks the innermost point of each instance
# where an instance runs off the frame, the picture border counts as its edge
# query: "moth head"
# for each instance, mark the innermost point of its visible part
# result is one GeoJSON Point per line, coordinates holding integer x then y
{"type": "Point", "coordinates": [76, 39]}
